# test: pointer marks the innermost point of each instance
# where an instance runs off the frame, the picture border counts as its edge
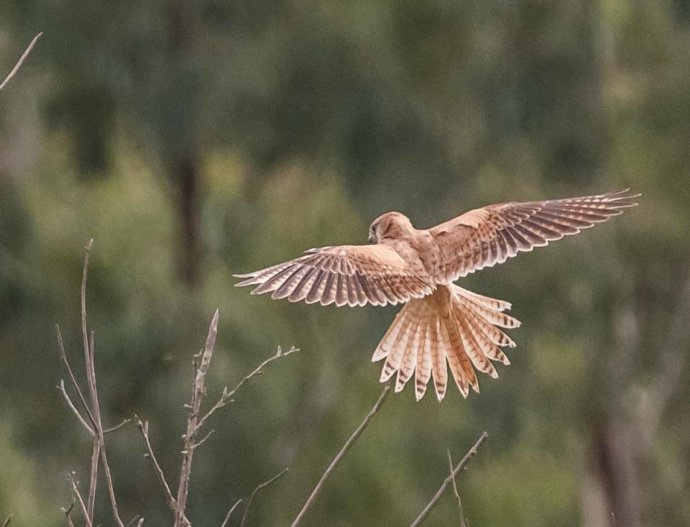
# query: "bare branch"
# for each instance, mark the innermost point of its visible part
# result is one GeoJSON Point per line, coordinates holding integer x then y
{"type": "Point", "coordinates": [20, 61]}
{"type": "Point", "coordinates": [455, 490]}
{"type": "Point", "coordinates": [199, 389]}
{"type": "Point", "coordinates": [92, 408]}
{"type": "Point", "coordinates": [70, 404]}
{"type": "Point", "coordinates": [93, 394]}
{"type": "Point", "coordinates": [202, 441]}
{"type": "Point", "coordinates": [227, 396]}
{"type": "Point", "coordinates": [68, 513]}
{"type": "Point", "coordinates": [340, 455]}
{"type": "Point", "coordinates": [84, 330]}
{"type": "Point", "coordinates": [144, 429]}
{"type": "Point", "coordinates": [93, 481]}
{"type": "Point", "coordinates": [63, 358]}
{"type": "Point", "coordinates": [89, 357]}
{"type": "Point", "coordinates": [137, 518]}
{"type": "Point", "coordinates": [442, 489]}
{"type": "Point", "coordinates": [257, 489]}
{"type": "Point", "coordinates": [80, 499]}
{"type": "Point", "coordinates": [232, 509]}
{"type": "Point", "coordinates": [117, 427]}
{"type": "Point", "coordinates": [8, 520]}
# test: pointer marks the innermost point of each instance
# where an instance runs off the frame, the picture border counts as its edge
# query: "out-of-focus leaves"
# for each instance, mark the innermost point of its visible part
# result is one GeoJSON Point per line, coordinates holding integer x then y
{"type": "Point", "coordinates": [307, 119]}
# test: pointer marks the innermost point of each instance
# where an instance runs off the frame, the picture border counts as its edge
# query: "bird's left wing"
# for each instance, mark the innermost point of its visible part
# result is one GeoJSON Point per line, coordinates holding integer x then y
{"type": "Point", "coordinates": [487, 236]}
{"type": "Point", "coordinates": [343, 275]}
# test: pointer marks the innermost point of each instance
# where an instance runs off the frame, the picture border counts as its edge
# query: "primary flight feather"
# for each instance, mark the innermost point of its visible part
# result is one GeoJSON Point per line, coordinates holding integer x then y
{"type": "Point", "coordinates": [441, 325]}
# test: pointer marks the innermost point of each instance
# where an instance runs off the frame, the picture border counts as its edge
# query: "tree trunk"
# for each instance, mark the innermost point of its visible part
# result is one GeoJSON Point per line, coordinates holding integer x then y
{"type": "Point", "coordinates": [612, 492]}
{"type": "Point", "coordinates": [185, 173]}
{"type": "Point", "coordinates": [181, 138]}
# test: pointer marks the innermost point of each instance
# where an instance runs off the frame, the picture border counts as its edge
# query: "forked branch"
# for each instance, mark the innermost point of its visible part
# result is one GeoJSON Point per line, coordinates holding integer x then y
{"type": "Point", "coordinates": [461, 512]}
{"type": "Point", "coordinates": [227, 396]}
{"type": "Point", "coordinates": [256, 490]}
{"type": "Point", "coordinates": [91, 409]}
{"type": "Point", "coordinates": [169, 498]}
{"type": "Point", "coordinates": [450, 479]}
{"type": "Point", "coordinates": [195, 421]}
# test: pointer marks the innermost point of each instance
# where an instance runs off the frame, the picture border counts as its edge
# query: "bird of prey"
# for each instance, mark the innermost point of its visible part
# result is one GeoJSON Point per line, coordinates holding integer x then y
{"type": "Point", "coordinates": [441, 325]}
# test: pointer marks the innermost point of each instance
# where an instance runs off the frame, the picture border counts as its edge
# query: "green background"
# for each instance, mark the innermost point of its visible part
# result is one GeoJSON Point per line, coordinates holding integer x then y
{"type": "Point", "coordinates": [194, 140]}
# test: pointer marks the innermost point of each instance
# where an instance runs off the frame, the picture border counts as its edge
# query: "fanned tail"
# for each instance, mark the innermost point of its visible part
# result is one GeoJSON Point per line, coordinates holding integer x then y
{"type": "Point", "coordinates": [451, 327]}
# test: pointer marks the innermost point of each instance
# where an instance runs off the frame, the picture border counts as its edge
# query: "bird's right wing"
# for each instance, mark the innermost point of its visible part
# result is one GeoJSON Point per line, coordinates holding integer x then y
{"type": "Point", "coordinates": [342, 275]}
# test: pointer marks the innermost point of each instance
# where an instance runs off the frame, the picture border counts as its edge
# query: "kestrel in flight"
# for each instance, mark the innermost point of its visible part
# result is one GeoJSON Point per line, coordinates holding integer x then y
{"type": "Point", "coordinates": [441, 324]}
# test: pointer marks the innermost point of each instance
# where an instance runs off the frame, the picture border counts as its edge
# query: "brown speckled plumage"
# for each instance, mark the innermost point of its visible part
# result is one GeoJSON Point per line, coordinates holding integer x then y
{"type": "Point", "coordinates": [441, 326]}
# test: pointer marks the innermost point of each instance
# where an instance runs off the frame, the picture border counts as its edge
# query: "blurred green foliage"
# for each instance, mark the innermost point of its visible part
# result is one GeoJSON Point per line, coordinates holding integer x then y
{"type": "Point", "coordinates": [303, 121]}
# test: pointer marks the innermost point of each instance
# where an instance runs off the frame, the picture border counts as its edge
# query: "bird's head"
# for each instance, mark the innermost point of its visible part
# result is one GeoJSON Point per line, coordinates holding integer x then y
{"type": "Point", "coordinates": [390, 225]}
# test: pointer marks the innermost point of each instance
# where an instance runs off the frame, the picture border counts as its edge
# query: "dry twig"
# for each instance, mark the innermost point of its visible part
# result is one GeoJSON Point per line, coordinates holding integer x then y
{"type": "Point", "coordinates": [94, 425]}
{"type": "Point", "coordinates": [232, 509]}
{"type": "Point", "coordinates": [256, 490]}
{"type": "Point", "coordinates": [20, 61]}
{"type": "Point", "coordinates": [79, 499]}
{"type": "Point", "coordinates": [75, 384]}
{"type": "Point", "coordinates": [340, 455]}
{"type": "Point", "coordinates": [227, 396]}
{"type": "Point", "coordinates": [170, 499]}
{"type": "Point", "coordinates": [7, 521]}
{"type": "Point", "coordinates": [463, 523]}
{"type": "Point", "coordinates": [454, 473]}
{"type": "Point", "coordinates": [89, 416]}
{"type": "Point", "coordinates": [202, 362]}
{"type": "Point", "coordinates": [117, 427]}
{"type": "Point", "coordinates": [68, 513]}
{"type": "Point", "coordinates": [91, 384]}
{"type": "Point", "coordinates": [70, 405]}
{"type": "Point", "coordinates": [137, 518]}
{"type": "Point", "coordinates": [195, 421]}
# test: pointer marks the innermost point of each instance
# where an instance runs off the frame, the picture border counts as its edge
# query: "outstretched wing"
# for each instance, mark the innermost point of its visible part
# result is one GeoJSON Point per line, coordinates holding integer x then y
{"type": "Point", "coordinates": [343, 275]}
{"type": "Point", "coordinates": [487, 236]}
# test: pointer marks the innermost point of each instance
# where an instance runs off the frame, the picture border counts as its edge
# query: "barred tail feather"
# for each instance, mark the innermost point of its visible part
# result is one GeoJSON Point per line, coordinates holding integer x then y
{"type": "Point", "coordinates": [451, 329]}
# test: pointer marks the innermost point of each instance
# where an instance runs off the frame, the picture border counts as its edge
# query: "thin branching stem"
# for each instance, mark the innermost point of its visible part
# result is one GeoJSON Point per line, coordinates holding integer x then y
{"type": "Point", "coordinates": [454, 474]}
{"type": "Point", "coordinates": [202, 366]}
{"type": "Point", "coordinates": [93, 396]}
{"type": "Point", "coordinates": [20, 61]}
{"type": "Point", "coordinates": [93, 482]}
{"type": "Point", "coordinates": [170, 499]}
{"type": "Point", "coordinates": [118, 426]}
{"type": "Point", "coordinates": [340, 455]}
{"type": "Point", "coordinates": [232, 509]}
{"type": "Point", "coordinates": [227, 396]}
{"type": "Point", "coordinates": [92, 410]}
{"type": "Point", "coordinates": [257, 489]}
{"type": "Point", "coordinates": [461, 512]}
{"type": "Point", "coordinates": [78, 497]}
{"type": "Point", "coordinates": [73, 379]}
{"type": "Point", "coordinates": [138, 518]}
{"type": "Point", "coordinates": [70, 405]}
{"type": "Point", "coordinates": [68, 513]}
